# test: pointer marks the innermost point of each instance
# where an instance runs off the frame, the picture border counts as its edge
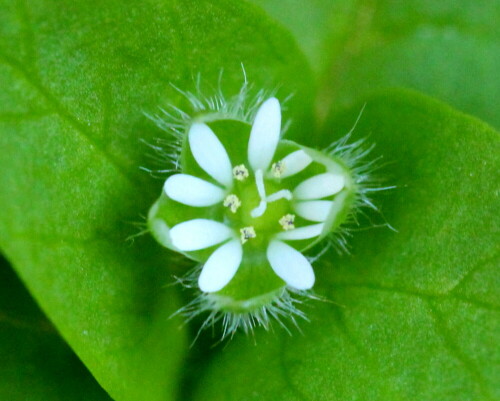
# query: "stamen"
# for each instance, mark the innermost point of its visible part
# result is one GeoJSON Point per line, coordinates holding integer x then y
{"type": "Point", "coordinates": [278, 169]}
{"type": "Point", "coordinates": [247, 233]}
{"type": "Point", "coordinates": [232, 202]}
{"type": "Point", "coordinates": [287, 222]}
{"type": "Point", "coordinates": [283, 194]}
{"type": "Point", "coordinates": [240, 172]}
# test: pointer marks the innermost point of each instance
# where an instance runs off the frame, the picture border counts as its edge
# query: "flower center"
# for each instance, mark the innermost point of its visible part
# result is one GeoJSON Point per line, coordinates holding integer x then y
{"type": "Point", "coordinates": [260, 204]}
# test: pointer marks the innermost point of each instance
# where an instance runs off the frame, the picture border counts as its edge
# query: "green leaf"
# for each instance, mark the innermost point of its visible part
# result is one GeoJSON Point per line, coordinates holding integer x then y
{"type": "Point", "coordinates": [313, 23]}
{"type": "Point", "coordinates": [447, 49]}
{"type": "Point", "coordinates": [414, 313]}
{"type": "Point", "coordinates": [76, 79]}
{"type": "Point", "coordinates": [35, 364]}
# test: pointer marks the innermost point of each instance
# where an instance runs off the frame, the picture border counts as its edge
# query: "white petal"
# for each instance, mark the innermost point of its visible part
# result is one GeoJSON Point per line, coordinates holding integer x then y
{"type": "Point", "coordinates": [210, 154]}
{"type": "Point", "coordinates": [319, 186]}
{"type": "Point", "coordinates": [197, 234]}
{"type": "Point", "coordinates": [221, 267]}
{"type": "Point", "coordinates": [193, 191]}
{"type": "Point", "coordinates": [265, 134]}
{"type": "Point", "coordinates": [290, 265]}
{"type": "Point", "coordinates": [317, 210]}
{"type": "Point", "coordinates": [306, 232]}
{"type": "Point", "coordinates": [295, 162]}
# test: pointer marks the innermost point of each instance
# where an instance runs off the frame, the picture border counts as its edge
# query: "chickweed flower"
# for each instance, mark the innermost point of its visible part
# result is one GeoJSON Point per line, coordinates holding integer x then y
{"type": "Point", "coordinates": [247, 205]}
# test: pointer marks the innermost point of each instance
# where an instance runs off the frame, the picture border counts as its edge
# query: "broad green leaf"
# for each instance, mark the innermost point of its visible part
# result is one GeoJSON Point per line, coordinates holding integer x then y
{"type": "Point", "coordinates": [315, 24]}
{"type": "Point", "coordinates": [448, 49]}
{"type": "Point", "coordinates": [35, 364]}
{"type": "Point", "coordinates": [77, 78]}
{"type": "Point", "coordinates": [414, 313]}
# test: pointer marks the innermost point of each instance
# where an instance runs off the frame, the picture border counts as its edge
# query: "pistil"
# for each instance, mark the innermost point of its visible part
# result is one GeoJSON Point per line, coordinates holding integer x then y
{"type": "Point", "coordinates": [261, 189]}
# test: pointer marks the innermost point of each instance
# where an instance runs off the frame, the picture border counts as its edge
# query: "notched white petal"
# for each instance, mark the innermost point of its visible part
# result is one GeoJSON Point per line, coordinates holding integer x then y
{"type": "Point", "coordinates": [316, 210]}
{"type": "Point", "coordinates": [196, 234]}
{"type": "Point", "coordinates": [265, 134]}
{"type": "Point", "coordinates": [210, 154]}
{"type": "Point", "coordinates": [192, 191]}
{"type": "Point", "coordinates": [290, 265]}
{"type": "Point", "coordinates": [221, 267]}
{"type": "Point", "coordinates": [295, 162]}
{"type": "Point", "coordinates": [319, 186]}
{"type": "Point", "coordinates": [300, 233]}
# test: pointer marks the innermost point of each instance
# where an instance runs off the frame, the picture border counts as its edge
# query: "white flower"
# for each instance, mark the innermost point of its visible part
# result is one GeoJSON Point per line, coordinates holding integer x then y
{"type": "Point", "coordinates": [305, 200]}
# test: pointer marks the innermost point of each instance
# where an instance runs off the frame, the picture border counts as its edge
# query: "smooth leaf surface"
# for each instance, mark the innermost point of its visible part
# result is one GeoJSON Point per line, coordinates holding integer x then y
{"type": "Point", "coordinates": [315, 24]}
{"type": "Point", "coordinates": [447, 49]}
{"type": "Point", "coordinates": [35, 363]}
{"type": "Point", "coordinates": [414, 313]}
{"type": "Point", "coordinates": [76, 79]}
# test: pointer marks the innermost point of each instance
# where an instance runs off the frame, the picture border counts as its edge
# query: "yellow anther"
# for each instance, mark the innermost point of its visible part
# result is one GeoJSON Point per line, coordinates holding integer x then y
{"type": "Point", "coordinates": [232, 202]}
{"type": "Point", "coordinates": [277, 169]}
{"type": "Point", "coordinates": [240, 172]}
{"type": "Point", "coordinates": [287, 222]}
{"type": "Point", "coordinates": [247, 233]}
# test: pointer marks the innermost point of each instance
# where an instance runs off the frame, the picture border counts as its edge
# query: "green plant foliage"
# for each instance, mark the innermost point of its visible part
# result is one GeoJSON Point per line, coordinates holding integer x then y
{"type": "Point", "coordinates": [76, 79]}
{"type": "Point", "coordinates": [35, 364]}
{"type": "Point", "coordinates": [449, 49]}
{"type": "Point", "coordinates": [414, 313]}
{"type": "Point", "coordinates": [314, 24]}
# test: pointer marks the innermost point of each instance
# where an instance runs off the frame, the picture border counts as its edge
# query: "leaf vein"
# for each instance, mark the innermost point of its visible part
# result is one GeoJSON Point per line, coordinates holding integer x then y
{"type": "Point", "coordinates": [455, 351]}
{"type": "Point", "coordinates": [67, 116]}
{"type": "Point", "coordinates": [14, 117]}
{"type": "Point", "coordinates": [472, 271]}
{"type": "Point", "coordinates": [419, 294]}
